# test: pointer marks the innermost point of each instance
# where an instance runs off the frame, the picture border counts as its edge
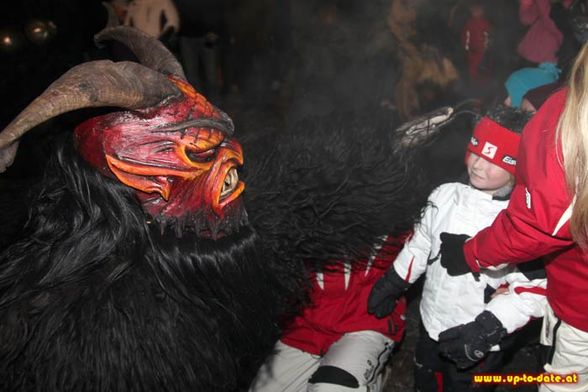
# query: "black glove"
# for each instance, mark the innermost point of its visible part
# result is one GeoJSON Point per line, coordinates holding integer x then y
{"type": "Point", "coordinates": [452, 257]}
{"type": "Point", "coordinates": [468, 343]}
{"type": "Point", "coordinates": [385, 293]}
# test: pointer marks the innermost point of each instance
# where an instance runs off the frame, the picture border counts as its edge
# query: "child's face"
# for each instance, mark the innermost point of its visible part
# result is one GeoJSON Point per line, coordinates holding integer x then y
{"type": "Point", "coordinates": [485, 175]}
{"type": "Point", "coordinates": [477, 11]}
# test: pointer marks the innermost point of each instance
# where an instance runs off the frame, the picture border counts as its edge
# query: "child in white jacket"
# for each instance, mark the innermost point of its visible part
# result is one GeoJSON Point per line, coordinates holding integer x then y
{"type": "Point", "coordinates": [463, 304]}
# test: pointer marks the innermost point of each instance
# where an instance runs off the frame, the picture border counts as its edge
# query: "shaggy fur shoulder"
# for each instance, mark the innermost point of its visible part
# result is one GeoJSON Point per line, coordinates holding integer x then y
{"type": "Point", "coordinates": [330, 188]}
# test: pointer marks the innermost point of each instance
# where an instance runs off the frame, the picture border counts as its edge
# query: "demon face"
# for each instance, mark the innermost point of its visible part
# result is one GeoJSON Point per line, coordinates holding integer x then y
{"type": "Point", "coordinates": [179, 157]}
{"type": "Point", "coordinates": [171, 146]}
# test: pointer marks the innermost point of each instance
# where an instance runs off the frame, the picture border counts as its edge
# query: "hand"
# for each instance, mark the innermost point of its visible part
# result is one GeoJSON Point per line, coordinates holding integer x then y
{"type": "Point", "coordinates": [422, 129]}
{"type": "Point", "coordinates": [452, 257]}
{"type": "Point", "coordinates": [385, 293]}
{"type": "Point", "coordinates": [468, 343]}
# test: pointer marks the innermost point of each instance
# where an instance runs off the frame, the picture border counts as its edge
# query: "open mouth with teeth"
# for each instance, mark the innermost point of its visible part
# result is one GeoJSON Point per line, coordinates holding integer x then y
{"type": "Point", "coordinates": [227, 211]}
{"type": "Point", "coordinates": [230, 190]}
{"type": "Point", "coordinates": [226, 184]}
{"type": "Point", "coordinates": [217, 214]}
{"type": "Point", "coordinates": [230, 183]}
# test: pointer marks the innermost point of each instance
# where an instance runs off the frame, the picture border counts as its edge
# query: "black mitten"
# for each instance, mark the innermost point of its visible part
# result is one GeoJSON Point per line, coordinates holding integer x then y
{"type": "Point", "coordinates": [468, 343]}
{"type": "Point", "coordinates": [452, 257]}
{"type": "Point", "coordinates": [385, 293]}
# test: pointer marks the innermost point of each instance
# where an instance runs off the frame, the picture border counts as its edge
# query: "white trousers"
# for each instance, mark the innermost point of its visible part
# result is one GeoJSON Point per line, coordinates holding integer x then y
{"type": "Point", "coordinates": [361, 354]}
{"type": "Point", "coordinates": [568, 356]}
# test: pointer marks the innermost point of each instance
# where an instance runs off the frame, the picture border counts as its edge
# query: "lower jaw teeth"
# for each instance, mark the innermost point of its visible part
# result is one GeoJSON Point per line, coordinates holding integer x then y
{"type": "Point", "coordinates": [230, 183]}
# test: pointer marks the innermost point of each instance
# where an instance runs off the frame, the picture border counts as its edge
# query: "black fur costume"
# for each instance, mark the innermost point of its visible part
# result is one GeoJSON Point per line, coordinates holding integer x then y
{"type": "Point", "coordinates": [94, 298]}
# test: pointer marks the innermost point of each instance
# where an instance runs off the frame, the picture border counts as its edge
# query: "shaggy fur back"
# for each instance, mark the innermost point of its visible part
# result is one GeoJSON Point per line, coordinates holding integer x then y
{"type": "Point", "coordinates": [95, 300]}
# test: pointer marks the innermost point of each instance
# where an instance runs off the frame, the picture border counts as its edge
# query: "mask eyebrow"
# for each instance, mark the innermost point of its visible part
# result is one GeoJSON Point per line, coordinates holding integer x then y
{"type": "Point", "coordinates": [223, 126]}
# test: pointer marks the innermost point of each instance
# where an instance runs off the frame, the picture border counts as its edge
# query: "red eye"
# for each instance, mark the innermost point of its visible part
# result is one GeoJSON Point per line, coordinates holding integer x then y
{"type": "Point", "coordinates": [201, 156]}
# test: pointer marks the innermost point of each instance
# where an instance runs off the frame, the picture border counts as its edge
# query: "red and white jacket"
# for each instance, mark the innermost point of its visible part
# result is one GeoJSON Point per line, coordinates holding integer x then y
{"type": "Point", "coordinates": [536, 222]}
{"type": "Point", "coordinates": [339, 304]}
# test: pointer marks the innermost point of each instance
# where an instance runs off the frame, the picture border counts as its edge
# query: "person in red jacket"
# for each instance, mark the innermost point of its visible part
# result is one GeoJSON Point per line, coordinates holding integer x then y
{"type": "Point", "coordinates": [547, 216]}
{"type": "Point", "coordinates": [543, 39]}
{"type": "Point", "coordinates": [334, 344]}
{"type": "Point", "coordinates": [474, 38]}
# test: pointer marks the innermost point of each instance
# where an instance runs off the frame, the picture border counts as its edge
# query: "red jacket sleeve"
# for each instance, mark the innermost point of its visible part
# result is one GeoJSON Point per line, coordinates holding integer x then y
{"type": "Point", "coordinates": [536, 221]}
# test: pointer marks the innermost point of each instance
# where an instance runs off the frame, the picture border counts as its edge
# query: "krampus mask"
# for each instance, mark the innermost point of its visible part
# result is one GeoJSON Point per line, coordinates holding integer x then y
{"type": "Point", "coordinates": [173, 147]}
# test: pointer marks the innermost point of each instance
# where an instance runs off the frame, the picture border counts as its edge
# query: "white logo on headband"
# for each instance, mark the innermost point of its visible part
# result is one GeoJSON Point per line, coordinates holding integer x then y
{"type": "Point", "coordinates": [474, 141]}
{"type": "Point", "coordinates": [489, 150]}
{"type": "Point", "coordinates": [509, 160]}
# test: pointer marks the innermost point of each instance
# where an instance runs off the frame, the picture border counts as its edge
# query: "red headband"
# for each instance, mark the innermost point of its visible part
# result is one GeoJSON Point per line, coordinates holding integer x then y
{"type": "Point", "coordinates": [495, 143]}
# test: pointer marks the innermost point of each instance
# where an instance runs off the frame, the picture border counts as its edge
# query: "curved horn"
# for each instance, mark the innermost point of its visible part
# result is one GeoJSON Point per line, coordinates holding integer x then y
{"type": "Point", "coordinates": [94, 84]}
{"type": "Point", "coordinates": [149, 51]}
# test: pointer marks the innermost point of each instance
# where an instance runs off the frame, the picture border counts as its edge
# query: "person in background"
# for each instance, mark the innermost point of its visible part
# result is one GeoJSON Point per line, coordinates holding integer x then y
{"type": "Point", "coordinates": [535, 98]}
{"type": "Point", "coordinates": [542, 40]}
{"type": "Point", "coordinates": [522, 81]}
{"type": "Point", "coordinates": [334, 345]}
{"type": "Point", "coordinates": [158, 18]}
{"type": "Point", "coordinates": [474, 38]}
{"type": "Point", "coordinates": [449, 301]}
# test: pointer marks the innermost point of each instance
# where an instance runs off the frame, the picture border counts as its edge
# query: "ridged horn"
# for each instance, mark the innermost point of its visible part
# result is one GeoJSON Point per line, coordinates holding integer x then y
{"type": "Point", "coordinates": [149, 51]}
{"type": "Point", "coordinates": [101, 83]}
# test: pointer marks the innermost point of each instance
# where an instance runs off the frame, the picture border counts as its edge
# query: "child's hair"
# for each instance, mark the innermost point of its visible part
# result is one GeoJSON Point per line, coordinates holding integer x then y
{"type": "Point", "coordinates": [511, 118]}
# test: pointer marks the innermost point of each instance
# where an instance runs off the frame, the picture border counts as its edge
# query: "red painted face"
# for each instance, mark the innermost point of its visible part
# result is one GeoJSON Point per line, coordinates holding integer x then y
{"type": "Point", "coordinates": [179, 158]}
